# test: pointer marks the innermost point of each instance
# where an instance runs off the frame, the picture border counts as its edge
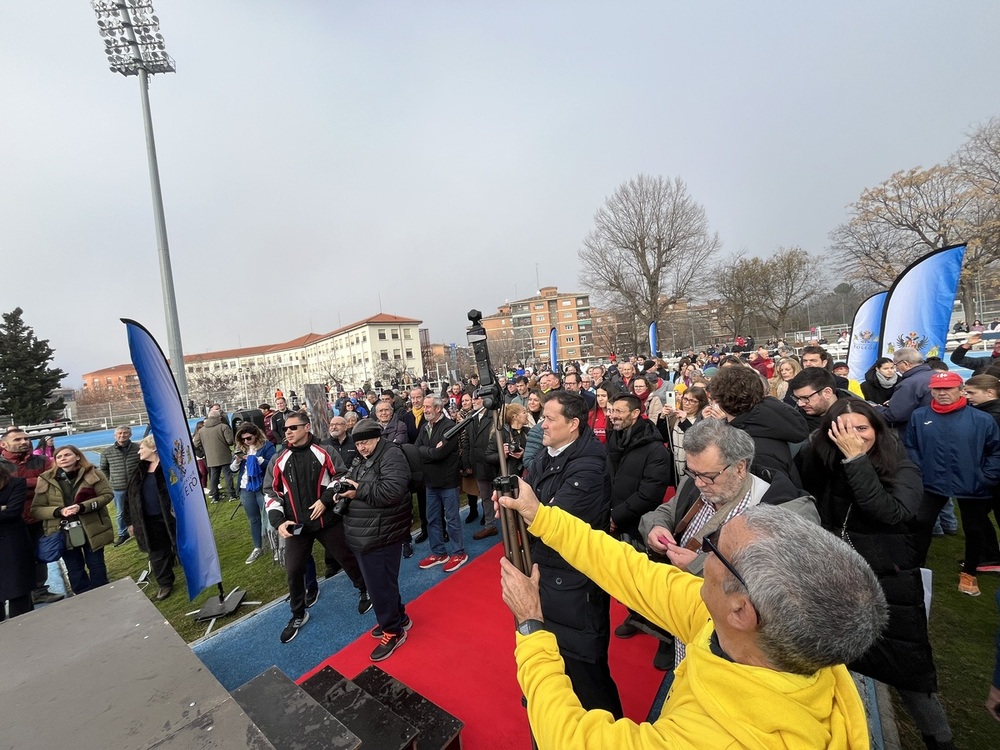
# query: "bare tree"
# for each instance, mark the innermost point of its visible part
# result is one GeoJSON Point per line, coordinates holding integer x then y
{"type": "Point", "coordinates": [650, 243]}
{"type": "Point", "coordinates": [792, 278]}
{"type": "Point", "coordinates": [503, 348]}
{"type": "Point", "coordinates": [739, 286]}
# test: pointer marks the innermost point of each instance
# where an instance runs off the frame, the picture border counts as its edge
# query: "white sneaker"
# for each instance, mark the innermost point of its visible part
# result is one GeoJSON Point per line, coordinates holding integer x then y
{"type": "Point", "coordinates": [253, 555]}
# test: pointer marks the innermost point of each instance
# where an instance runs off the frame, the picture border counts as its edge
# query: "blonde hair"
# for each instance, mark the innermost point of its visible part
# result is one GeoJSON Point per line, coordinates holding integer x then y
{"type": "Point", "coordinates": [149, 443]}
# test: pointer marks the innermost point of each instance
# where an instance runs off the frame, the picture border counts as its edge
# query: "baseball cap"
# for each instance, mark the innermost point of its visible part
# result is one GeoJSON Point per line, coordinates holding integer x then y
{"type": "Point", "coordinates": [946, 380]}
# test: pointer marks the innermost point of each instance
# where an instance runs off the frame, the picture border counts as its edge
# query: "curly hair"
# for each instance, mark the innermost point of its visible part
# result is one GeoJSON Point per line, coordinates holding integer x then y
{"type": "Point", "coordinates": [737, 389]}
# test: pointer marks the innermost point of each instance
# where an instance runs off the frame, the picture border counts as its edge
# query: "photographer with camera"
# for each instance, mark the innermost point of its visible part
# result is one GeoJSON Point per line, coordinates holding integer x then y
{"type": "Point", "coordinates": [301, 509]}
{"type": "Point", "coordinates": [374, 500]}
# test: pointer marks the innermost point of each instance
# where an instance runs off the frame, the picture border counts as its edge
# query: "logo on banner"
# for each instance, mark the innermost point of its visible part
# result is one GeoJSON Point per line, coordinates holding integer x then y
{"type": "Point", "coordinates": [182, 458]}
{"type": "Point", "coordinates": [866, 337]}
{"type": "Point", "coordinates": [913, 340]}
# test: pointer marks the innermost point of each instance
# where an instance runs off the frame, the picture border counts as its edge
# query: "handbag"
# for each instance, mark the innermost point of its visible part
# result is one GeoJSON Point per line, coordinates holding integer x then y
{"type": "Point", "coordinates": [75, 535]}
{"type": "Point", "coordinates": [50, 548]}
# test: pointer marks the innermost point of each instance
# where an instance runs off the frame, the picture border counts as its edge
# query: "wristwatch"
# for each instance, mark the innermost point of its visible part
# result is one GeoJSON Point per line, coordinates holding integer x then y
{"type": "Point", "coordinates": [530, 626]}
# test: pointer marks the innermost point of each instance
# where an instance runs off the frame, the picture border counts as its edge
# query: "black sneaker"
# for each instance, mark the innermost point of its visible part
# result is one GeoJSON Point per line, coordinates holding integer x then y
{"type": "Point", "coordinates": [663, 660]}
{"type": "Point", "coordinates": [292, 628]}
{"type": "Point", "coordinates": [122, 538]}
{"type": "Point", "coordinates": [364, 603]}
{"type": "Point", "coordinates": [44, 596]}
{"type": "Point", "coordinates": [626, 630]}
{"type": "Point", "coordinates": [312, 596]}
{"type": "Point", "coordinates": [377, 630]}
{"type": "Point", "coordinates": [389, 643]}
{"type": "Point", "coordinates": [407, 550]}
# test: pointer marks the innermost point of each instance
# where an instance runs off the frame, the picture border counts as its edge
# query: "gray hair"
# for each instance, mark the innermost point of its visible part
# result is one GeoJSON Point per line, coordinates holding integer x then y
{"type": "Point", "coordinates": [907, 354]}
{"type": "Point", "coordinates": [351, 417]}
{"type": "Point", "coordinates": [733, 443]}
{"type": "Point", "coordinates": [436, 400]}
{"type": "Point", "coordinates": [818, 600]}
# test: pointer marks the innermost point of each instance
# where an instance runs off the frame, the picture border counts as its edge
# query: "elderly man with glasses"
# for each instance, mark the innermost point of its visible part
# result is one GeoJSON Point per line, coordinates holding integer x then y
{"type": "Point", "coordinates": [718, 487]}
{"type": "Point", "coordinates": [783, 605]}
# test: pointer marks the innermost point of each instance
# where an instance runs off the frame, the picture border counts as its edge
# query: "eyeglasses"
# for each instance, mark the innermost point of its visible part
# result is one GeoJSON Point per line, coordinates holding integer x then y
{"type": "Point", "coordinates": [293, 427]}
{"type": "Point", "coordinates": [707, 477]}
{"type": "Point", "coordinates": [805, 399]}
{"type": "Point", "coordinates": [246, 436]}
{"type": "Point", "coordinates": [710, 543]}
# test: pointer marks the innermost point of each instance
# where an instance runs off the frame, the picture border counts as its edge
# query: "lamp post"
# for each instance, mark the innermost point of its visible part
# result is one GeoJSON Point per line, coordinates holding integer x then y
{"type": "Point", "coordinates": [134, 47]}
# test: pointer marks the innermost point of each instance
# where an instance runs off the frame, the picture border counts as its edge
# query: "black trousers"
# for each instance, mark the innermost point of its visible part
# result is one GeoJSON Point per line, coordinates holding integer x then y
{"type": "Point", "coordinates": [978, 530]}
{"type": "Point", "coordinates": [593, 685]}
{"type": "Point", "coordinates": [19, 605]}
{"type": "Point", "coordinates": [380, 568]}
{"type": "Point", "coordinates": [298, 549]}
{"type": "Point", "coordinates": [162, 557]}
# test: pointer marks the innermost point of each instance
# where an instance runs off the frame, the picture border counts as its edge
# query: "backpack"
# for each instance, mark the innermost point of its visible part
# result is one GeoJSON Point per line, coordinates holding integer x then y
{"type": "Point", "coordinates": [255, 474]}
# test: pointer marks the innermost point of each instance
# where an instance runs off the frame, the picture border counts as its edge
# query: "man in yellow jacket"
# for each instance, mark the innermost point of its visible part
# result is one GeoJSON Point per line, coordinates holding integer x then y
{"type": "Point", "coordinates": [782, 606]}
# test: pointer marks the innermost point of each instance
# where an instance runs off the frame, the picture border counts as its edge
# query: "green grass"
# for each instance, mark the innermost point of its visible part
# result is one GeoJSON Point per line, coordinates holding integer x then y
{"type": "Point", "coordinates": [263, 581]}
{"type": "Point", "coordinates": [963, 631]}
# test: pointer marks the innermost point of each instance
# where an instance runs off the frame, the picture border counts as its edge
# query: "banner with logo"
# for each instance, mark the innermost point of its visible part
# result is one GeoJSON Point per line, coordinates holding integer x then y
{"type": "Point", "coordinates": [195, 541]}
{"type": "Point", "coordinates": [554, 350]}
{"type": "Point", "coordinates": [864, 348]}
{"type": "Point", "coordinates": [918, 309]}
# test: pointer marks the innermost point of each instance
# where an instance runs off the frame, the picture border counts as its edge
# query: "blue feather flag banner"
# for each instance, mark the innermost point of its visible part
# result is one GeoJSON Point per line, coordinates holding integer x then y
{"type": "Point", "coordinates": [918, 309]}
{"type": "Point", "coordinates": [865, 339]}
{"type": "Point", "coordinates": [195, 541]}
{"type": "Point", "coordinates": [553, 349]}
{"type": "Point", "coordinates": [654, 350]}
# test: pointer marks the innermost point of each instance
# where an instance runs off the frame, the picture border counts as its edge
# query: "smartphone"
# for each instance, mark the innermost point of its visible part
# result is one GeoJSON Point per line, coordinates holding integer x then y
{"type": "Point", "coordinates": [671, 397]}
{"type": "Point", "coordinates": [295, 529]}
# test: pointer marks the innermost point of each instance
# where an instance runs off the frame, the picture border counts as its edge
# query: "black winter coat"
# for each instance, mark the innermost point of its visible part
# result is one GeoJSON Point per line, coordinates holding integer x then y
{"type": "Point", "coordinates": [480, 436]}
{"type": "Point", "coordinates": [380, 513]}
{"type": "Point", "coordinates": [518, 438]}
{"type": "Point", "coordinates": [641, 470]}
{"type": "Point", "coordinates": [576, 610]}
{"type": "Point", "coordinates": [17, 553]}
{"type": "Point", "coordinates": [873, 391]}
{"type": "Point", "coordinates": [132, 514]}
{"type": "Point", "coordinates": [878, 517]}
{"type": "Point", "coordinates": [440, 464]}
{"type": "Point", "coordinates": [774, 427]}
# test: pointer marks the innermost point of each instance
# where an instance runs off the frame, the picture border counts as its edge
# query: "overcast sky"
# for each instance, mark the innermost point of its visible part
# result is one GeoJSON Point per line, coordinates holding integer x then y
{"type": "Point", "coordinates": [316, 155]}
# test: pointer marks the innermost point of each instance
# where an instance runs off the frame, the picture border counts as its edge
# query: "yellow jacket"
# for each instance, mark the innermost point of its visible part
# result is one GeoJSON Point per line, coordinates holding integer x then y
{"type": "Point", "coordinates": [713, 703]}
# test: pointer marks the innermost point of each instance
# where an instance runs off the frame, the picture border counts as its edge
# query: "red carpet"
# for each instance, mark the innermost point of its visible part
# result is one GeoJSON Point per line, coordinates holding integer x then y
{"type": "Point", "coordinates": [460, 654]}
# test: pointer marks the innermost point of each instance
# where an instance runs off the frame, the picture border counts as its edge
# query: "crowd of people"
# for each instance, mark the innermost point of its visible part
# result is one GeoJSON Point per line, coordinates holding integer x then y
{"type": "Point", "coordinates": [800, 503]}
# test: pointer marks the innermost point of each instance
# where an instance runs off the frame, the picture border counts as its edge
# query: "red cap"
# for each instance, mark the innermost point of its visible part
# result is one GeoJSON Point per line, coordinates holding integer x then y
{"type": "Point", "coordinates": [946, 380]}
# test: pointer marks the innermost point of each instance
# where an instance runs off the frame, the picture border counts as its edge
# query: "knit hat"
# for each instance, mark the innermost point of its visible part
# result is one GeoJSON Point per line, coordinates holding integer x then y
{"type": "Point", "coordinates": [366, 429]}
{"type": "Point", "coordinates": [946, 380]}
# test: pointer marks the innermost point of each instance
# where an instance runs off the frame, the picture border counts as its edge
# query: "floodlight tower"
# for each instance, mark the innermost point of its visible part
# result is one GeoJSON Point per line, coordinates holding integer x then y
{"type": "Point", "coordinates": [134, 46]}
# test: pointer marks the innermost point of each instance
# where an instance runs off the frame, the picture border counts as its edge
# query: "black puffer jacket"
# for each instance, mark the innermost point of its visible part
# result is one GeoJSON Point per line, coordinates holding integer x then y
{"type": "Point", "coordinates": [480, 435]}
{"type": "Point", "coordinates": [774, 427]}
{"type": "Point", "coordinates": [380, 513]}
{"type": "Point", "coordinates": [576, 610]}
{"type": "Point", "coordinates": [881, 524]}
{"type": "Point", "coordinates": [641, 471]}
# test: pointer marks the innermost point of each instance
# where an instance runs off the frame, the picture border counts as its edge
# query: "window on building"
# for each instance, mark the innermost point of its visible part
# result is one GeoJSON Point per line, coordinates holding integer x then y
{"type": "Point", "coordinates": [539, 305]}
{"type": "Point", "coordinates": [381, 334]}
{"type": "Point", "coordinates": [571, 352]}
{"type": "Point", "coordinates": [568, 327]}
{"type": "Point", "coordinates": [407, 333]}
{"type": "Point", "coordinates": [409, 354]}
{"type": "Point", "coordinates": [384, 356]}
{"type": "Point", "coordinates": [567, 315]}
{"type": "Point", "coordinates": [540, 330]}
{"type": "Point", "coordinates": [567, 302]}
{"type": "Point", "coordinates": [570, 339]}
{"type": "Point", "coordinates": [539, 318]}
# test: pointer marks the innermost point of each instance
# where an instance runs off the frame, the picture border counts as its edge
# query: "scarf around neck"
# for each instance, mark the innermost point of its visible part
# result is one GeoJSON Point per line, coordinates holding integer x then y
{"type": "Point", "coordinates": [942, 409]}
{"type": "Point", "coordinates": [886, 382]}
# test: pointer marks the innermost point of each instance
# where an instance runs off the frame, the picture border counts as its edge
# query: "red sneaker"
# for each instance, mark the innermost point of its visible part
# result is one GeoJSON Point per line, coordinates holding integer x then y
{"type": "Point", "coordinates": [431, 560]}
{"type": "Point", "coordinates": [455, 562]}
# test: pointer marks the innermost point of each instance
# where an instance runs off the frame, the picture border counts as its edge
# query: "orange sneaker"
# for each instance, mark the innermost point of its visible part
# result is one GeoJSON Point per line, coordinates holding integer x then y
{"type": "Point", "coordinates": [967, 584]}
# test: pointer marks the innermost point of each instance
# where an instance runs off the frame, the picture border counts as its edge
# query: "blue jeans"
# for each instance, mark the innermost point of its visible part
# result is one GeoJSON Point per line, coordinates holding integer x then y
{"type": "Point", "coordinates": [946, 520]}
{"type": "Point", "coordinates": [120, 506]}
{"type": "Point", "coordinates": [253, 506]}
{"type": "Point", "coordinates": [81, 560]}
{"type": "Point", "coordinates": [444, 501]}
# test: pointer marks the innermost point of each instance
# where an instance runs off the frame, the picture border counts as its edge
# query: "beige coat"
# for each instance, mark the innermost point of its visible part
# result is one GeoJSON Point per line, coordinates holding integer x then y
{"type": "Point", "coordinates": [91, 490]}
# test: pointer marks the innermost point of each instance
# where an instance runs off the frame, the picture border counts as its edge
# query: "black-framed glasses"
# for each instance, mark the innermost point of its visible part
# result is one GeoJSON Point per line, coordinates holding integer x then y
{"type": "Point", "coordinates": [805, 399]}
{"type": "Point", "coordinates": [710, 543]}
{"type": "Point", "coordinates": [246, 436]}
{"type": "Point", "coordinates": [708, 477]}
{"type": "Point", "coordinates": [293, 427]}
